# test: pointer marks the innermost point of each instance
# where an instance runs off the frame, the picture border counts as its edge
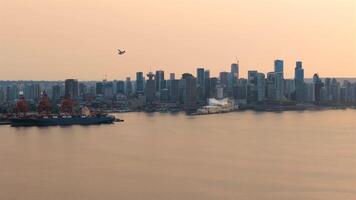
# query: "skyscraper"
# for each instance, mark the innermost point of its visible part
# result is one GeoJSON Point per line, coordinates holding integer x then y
{"type": "Point", "coordinates": [139, 83]}
{"type": "Point", "coordinates": [200, 83]}
{"type": "Point", "coordinates": [279, 72]}
{"type": "Point", "coordinates": [71, 88]}
{"type": "Point", "coordinates": [56, 92]}
{"type": "Point", "coordinates": [279, 67]}
{"type": "Point", "coordinates": [190, 91]}
{"type": "Point", "coordinates": [159, 78]}
{"type": "Point", "coordinates": [318, 84]}
{"type": "Point", "coordinates": [235, 70]}
{"type": "Point", "coordinates": [299, 81]}
{"type": "Point", "coordinates": [150, 89]}
{"type": "Point", "coordinates": [261, 87]}
{"type": "Point", "coordinates": [128, 86]}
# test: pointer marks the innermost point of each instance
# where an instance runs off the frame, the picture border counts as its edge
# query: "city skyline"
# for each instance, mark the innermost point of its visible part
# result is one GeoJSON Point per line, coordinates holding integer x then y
{"type": "Point", "coordinates": [55, 40]}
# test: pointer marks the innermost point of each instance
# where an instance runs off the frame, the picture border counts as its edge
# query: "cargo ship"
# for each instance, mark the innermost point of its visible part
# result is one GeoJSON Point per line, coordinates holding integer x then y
{"type": "Point", "coordinates": [65, 118]}
{"type": "Point", "coordinates": [62, 120]}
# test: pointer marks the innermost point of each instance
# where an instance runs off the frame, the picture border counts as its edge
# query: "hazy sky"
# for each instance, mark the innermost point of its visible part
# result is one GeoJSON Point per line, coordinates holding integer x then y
{"type": "Point", "coordinates": [58, 39]}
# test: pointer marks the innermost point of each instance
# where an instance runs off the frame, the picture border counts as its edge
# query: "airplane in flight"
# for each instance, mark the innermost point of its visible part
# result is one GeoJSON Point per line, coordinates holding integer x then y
{"type": "Point", "coordinates": [121, 52]}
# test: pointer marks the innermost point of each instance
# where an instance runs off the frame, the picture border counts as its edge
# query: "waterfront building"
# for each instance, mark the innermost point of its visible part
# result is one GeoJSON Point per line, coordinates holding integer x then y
{"type": "Point", "coordinates": [139, 83]}
{"type": "Point", "coordinates": [299, 81]}
{"type": "Point", "coordinates": [261, 87]}
{"type": "Point", "coordinates": [120, 87]}
{"type": "Point", "coordinates": [128, 86]}
{"type": "Point", "coordinates": [56, 92]}
{"type": "Point", "coordinates": [71, 88]}
{"type": "Point", "coordinates": [150, 89]}
{"type": "Point", "coordinates": [318, 84]}
{"type": "Point", "coordinates": [200, 84]}
{"type": "Point", "coordinates": [235, 70]}
{"type": "Point", "coordinates": [99, 88]}
{"type": "Point", "coordinates": [190, 91]}
{"type": "Point", "coordinates": [160, 81]}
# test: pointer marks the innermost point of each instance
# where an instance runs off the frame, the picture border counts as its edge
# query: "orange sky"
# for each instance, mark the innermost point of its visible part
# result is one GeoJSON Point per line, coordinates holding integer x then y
{"type": "Point", "coordinates": [58, 39]}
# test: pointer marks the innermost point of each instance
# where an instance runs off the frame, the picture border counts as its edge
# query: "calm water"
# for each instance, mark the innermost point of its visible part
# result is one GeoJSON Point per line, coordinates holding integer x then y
{"type": "Point", "coordinates": [247, 155]}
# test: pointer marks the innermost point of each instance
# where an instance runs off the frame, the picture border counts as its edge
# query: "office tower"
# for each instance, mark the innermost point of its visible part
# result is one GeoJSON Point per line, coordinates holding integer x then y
{"type": "Point", "coordinates": [128, 86]}
{"type": "Point", "coordinates": [310, 92]}
{"type": "Point", "coordinates": [120, 87]}
{"type": "Point", "coordinates": [99, 88]}
{"type": "Point", "coordinates": [12, 92]}
{"type": "Point", "coordinates": [271, 86]}
{"type": "Point", "coordinates": [241, 93]}
{"type": "Point", "coordinates": [139, 83]}
{"type": "Point", "coordinates": [213, 85]}
{"type": "Point", "coordinates": [290, 89]}
{"type": "Point", "coordinates": [278, 67]}
{"type": "Point", "coordinates": [108, 90]}
{"type": "Point", "coordinates": [200, 83]}
{"type": "Point", "coordinates": [150, 89]}
{"type": "Point", "coordinates": [328, 89]}
{"type": "Point", "coordinates": [299, 81]}
{"type": "Point", "coordinates": [2, 95]}
{"type": "Point", "coordinates": [207, 84]}
{"type": "Point", "coordinates": [261, 87]}
{"type": "Point", "coordinates": [83, 89]}
{"type": "Point", "coordinates": [224, 79]}
{"type": "Point", "coordinates": [235, 70]}
{"type": "Point", "coordinates": [56, 93]}
{"type": "Point", "coordinates": [190, 91]}
{"type": "Point", "coordinates": [174, 91]}
{"type": "Point", "coordinates": [160, 81]}
{"type": "Point", "coordinates": [318, 84]}
{"type": "Point", "coordinates": [71, 88]}
{"type": "Point", "coordinates": [252, 77]}
{"type": "Point", "coordinates": [298, 71]}
{"type": "Point", "coordinates": [32, 92]}
{"type": "Point", "coordinates": [335, 90]}
{"type": "Point", "coordinates": [172, 76]}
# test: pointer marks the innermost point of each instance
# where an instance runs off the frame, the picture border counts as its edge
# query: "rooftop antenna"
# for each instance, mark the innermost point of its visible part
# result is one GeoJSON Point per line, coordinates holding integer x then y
{"type": "Point", "coordinates": [237, 60]}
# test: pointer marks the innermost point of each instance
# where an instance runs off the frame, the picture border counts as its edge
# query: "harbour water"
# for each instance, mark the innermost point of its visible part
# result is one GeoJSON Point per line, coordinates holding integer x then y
{"type": "Point", "coordinates": [241, 155]}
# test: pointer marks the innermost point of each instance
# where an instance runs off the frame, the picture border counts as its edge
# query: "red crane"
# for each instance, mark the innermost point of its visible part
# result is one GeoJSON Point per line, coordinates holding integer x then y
{"type": "Point", "coordinates": [21, 106]}
{"type": "Point", "coordinates": [44, 107]}
{"type": "Point", "coordinates": [67, 105]}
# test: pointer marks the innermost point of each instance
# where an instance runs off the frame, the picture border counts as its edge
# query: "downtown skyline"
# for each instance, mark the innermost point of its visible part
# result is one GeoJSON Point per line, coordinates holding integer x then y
{"type": "Point", "coordinates": [56, 40]}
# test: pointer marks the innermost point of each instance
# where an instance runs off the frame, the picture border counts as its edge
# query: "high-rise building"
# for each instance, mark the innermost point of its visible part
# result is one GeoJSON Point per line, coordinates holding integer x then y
{"type": "Point", "coordinates": [318, 84]}
{"type": "Point", "coordinates": [271, 86]}
{"type": "Point", "coordinates": [71, 88]}
{"type": "Point", "coordinates": [200, 83]}
{"type": "Point", "coordinates": [235, 70]}
{"type": "Point", "coordinates": [174, 90]}
{"type": "Point", "coordinates": [252, 77]}
{"type": "Point", "coordinates": [150, 89]}
{"type": "Point", "coordinates": [32, 91]}
{"type": "Point", "coordinates": [139, 83]}
{"type": "Point", "coordinates": [172, 76]}
{"type": "Point", "coordinates": [99, 88]}
{"type": "Point", "coordinates": [207, 84]}
{"type": "Point", "coordinates": [128, 86]}
{"type": "Point", "coordinates": [120, 87]}
{"type": "Point", "coordinates": [56, 92]}
{"type": "Point", "coordinates": [261, 87]}
{"type": "Point", "coordinates": [190, 91]}
{"type": "Point", "coordinates": [108, 89]}
{"type": "Point", "coordinates": [160, 81]}
{"type": "Point", "coordinates": [279, 73]}
{"type": "Point", "coordinates": [279, 67]}
{"type": "Point", "coordinates": [299, 81]}
{"type": "Point", "coordinates": [224, 79]}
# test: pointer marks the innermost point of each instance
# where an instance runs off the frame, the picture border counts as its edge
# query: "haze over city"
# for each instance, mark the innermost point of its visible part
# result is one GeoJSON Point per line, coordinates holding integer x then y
{"type": "Point", "coordinates": [54, 40]}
